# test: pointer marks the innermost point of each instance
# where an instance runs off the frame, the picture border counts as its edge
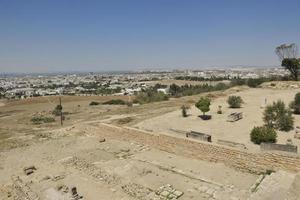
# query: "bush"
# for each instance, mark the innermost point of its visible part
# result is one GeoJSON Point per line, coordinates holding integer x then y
{"type": "Point", "coordinates": [149, 96]}
{"type": "Point", "coordinates": [295, 105]}
{"type": "Point", "coordinates": [203, 105]}
{"type": "Point", "coordinates": [237, 82]}
{"type": "Point", "coordinates": [234, 101]}
{"type": "Point", "coordinates": [57, 110]}
{"type": "Point", "coordinates": [255, 82]}
{"type": "Point", "coordinates": [220, 86]}
{"type": "Point", "coordinates": [42, 119]}
{"type": "Point", "coordinates": [94, 103]}
{"type": "Point", "coordinates": [115, 102]}
{"type": "Point", "coordinates": [263, 134]}
{"type": "Point", "coordinates": [184, 110]}
{"type": "Point", "coordinates": [125, 120]}
{"type": "Point", "coordinates": [278, 116]}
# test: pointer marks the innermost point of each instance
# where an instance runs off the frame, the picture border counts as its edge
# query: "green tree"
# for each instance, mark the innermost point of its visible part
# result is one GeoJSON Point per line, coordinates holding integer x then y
{"type": "Point", "coordinates": [234, 101]}
{"type": "Point", "coordinates": [293, 66]}
{"type": "Point", "coordinates": [263, 134]}
{"type": "Point", "coordinates": [278, 116]}
{"type": "Point", "coordinates": [174, 90]}
{"type": "Point", "coordinates": [203, 105]}
{"type": "Point", "coordinates": [287, 54]}
{"type": "Point", "coordinates": [57, 110]}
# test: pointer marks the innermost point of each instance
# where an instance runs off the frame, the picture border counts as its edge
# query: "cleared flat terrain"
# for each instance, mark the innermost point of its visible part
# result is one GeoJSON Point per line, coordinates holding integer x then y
{"type": "Point", "coordinates": [218, 126]}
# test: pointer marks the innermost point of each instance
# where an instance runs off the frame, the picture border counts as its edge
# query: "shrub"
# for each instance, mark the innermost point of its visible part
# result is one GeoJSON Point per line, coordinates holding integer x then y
{"type": "Point", "coordinates": [125, 120]}
{"type": "Point", "coordinates": [149, 96]}
{"type": "Point", "coordinates": [42, 119]}
{"type": "Point", "coordinates": [234, 101]}
{"type": "Point", "coordinates": [57, 110]}
{"type": "Point", "coordinates": [263, 134]}
{"type": "Point", "coordinates": [278, 116]}
{"type": "Point", "coordinates": [94, 103]}
{"type": "Point", "coordinates": [237, 81]}
{"type": "Point", "coordinates": [295, 105]}
{"type": "Point", "coordinates": [220, 86]}
{"type": "Point", "coordinates": [255, 82]}
{"type": "Point", "coordinates": [115, 102]}
{"type": "Point", "coordinates": [184, 110]}
{"type": "Point", "coordinates": [203, 105]}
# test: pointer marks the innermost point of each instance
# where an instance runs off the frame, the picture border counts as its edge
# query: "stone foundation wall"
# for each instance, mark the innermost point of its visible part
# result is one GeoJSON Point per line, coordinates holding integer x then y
{"type": "Point", "coordinates": [238, 159]}
{"type": "Point", "coordinates": [278, 147]}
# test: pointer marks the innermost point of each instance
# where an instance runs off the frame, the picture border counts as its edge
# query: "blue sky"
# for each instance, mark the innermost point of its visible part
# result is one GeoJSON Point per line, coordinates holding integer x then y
{"type": "Point", "coordinates": [87, 35]}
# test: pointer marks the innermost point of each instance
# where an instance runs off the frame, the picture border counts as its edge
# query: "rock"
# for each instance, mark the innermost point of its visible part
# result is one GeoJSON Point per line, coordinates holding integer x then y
{"type": "Point", "coordinates": [297, 135]}
{"type": "Point", "coordinates": [29, 170]}
{"type": "Point", "coordinates": [47, 177]}
{"type": "Point", "coordinates": [164, 193]}
{"type": "Point", "coordinates": [178, 193]}
{"type": "Point", "coordinates": [167, 192]}
{"type": "Point", "coordinates": [58, 177]}
{"type": "Point", "coordinates": [102, 140]}
{"type": "Point", "coordinates": [289, 142]}
{"type": "Point", "coordinates": [29, 167]}
{"type": "Point", "coordinates": [172, 196]}
{"type": "Point", "coordinates": [125, 150]}
{"type": "Point", "coordinates": [62, 188]}
{"type": "Point", "coordinates": [74, 194]}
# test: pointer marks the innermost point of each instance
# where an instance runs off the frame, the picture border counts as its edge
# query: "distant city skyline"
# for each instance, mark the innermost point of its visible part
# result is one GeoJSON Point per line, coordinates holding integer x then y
{"type": "Point", "coordinates": [60, 36]}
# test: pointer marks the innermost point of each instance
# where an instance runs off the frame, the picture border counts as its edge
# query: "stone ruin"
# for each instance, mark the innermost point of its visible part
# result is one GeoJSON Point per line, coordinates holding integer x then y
{"type": "Point", "coordinates": [167, 192]}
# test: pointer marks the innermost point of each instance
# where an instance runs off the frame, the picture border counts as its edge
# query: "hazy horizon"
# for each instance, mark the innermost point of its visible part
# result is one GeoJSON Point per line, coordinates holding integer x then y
{"type": "Point", "coordinates": [60, 36]}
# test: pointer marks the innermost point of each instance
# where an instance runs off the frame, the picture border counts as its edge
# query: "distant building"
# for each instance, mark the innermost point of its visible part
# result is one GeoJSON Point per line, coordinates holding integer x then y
{"type": "Point", "coordinates": [163, 90]}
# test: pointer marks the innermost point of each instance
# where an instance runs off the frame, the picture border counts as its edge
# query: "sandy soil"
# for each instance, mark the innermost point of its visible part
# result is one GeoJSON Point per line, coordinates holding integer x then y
{"type": "Point", "coordinates": [218, 126]}
{"type": "Point", "coordinates": [116, 170]}
{"type": "Point", "coordinates": [67, 156]}
{"type": "Point", "coordinates": [16, 129]}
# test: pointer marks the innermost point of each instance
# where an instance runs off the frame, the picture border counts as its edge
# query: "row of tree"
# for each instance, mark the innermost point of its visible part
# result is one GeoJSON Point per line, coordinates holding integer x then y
{"type": "Point", "coordinates": [204, 105]}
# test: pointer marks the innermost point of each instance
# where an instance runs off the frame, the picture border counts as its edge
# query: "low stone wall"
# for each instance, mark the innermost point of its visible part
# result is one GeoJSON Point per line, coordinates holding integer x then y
{"type": "Point", "coordinates": [238, 159]}
{"type": "Point", "coordinates": [199, 136]}
{"type": "Point", "coordinates": [278, 147]}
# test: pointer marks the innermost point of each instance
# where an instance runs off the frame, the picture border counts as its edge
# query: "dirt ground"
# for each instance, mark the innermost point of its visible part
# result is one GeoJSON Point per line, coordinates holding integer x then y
{"type": "Point", "coordinates": [218, 127]}
{"type": "Point", "coordinates": [66, 156]}
{"type": "Point", "coordinates": [117, 170]}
